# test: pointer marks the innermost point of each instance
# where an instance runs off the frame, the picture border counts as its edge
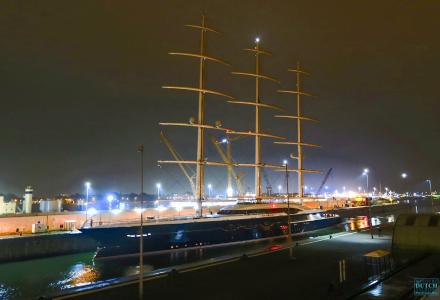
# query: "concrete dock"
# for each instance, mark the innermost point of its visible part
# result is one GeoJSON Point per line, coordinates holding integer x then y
{"type": "Point", "coordinates": [314, 273]}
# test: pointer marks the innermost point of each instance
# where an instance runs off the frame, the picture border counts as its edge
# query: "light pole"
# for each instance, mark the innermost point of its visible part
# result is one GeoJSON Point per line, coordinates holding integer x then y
{"type": "Point", "coordinates": [365, 173]}
{"type": "Point", "coordinates": [110, 198]}
{"type": "Point", "coordinates": [209, 190]}
{"type": "Point", "coordinates": [430, 186]}
{"type": "Point", "coordinates": [289, 229]}
{"type": "Point", "coordinates": [141, 229]}
{"type": "Point", "coordinates": [158, 186]}
{"type": "Point", "coordinates": [87, 185]}
{"type": "Point", "coordinates": [430, 193]}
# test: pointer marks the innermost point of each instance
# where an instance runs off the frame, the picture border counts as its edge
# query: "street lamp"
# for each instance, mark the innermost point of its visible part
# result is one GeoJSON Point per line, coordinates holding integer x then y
{"type": "Point", "coordinates": [365, 173]}
{"type": "Point", "coordinates": [289, 229]}
{"type": "Point", "coordinates": [279, 189]}
{"type": "Point", "coordinates": [158, 186]}
{"type": "Point", "coordinates": [87, 185]}
{"type": "Point", "coordinates": [141, 227]}
{"type": "Point", "coordinates": [430, 186]}
{"type": "Point", "coordinates": [110, 198]}
{"type": "Point", "coordinates": [404, 175]}
{"type": "Point", "coordinates": [430, 193]}
{"type": "Point", "coordinates": [209, 190]}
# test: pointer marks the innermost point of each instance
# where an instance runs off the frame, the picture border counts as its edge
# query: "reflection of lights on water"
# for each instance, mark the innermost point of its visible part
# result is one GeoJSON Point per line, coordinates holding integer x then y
{"type": "Point", "coordinates": [375, 221]}
{"type": "Point", "coordinates": [5, 292]}
{"type": "Point", "coordinates": [79, 274]}
{"type": "Point", "coordinates": [378, 290]}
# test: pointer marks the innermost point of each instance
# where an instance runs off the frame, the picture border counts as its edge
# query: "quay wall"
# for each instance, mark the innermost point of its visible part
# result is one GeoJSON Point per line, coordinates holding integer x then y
{"type": "Point", "coordinates": [22, 223]}
{"type": "Point", "coordinates": [44, 245]}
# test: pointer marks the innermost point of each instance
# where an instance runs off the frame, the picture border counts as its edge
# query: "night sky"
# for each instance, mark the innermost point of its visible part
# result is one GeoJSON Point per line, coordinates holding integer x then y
{"type": "Point", "coordinates": [80, 88]}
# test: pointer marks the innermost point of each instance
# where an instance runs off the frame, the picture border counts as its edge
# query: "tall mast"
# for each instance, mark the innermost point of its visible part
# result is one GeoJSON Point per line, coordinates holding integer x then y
{"type": "Point", "coordinates": [258, 194]}
{"type": "Point", "coordinates": [200, 170]}
{"type": "Point", "coordinates": [200, 161]}
{"type": "Point", "coordinates": [299, 133]}
{"type": "Point", "coordinates": [258, 104]}
{"type": "Point", "coordinates": [299, 118]}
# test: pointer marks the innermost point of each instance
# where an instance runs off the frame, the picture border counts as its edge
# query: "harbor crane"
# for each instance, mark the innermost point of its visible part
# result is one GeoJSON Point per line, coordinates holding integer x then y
{"type": "Point", "coordinates": [268, 185]}
{"type": "Point", "coordinates": [227, 158]}
{"type": "Point", "coordinates": [327, 175]}
{"type": "Point", "coordinates": [186, 170]}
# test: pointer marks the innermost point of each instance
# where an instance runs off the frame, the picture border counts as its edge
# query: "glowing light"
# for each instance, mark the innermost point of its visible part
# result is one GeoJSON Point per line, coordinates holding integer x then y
{"type": "Point", "coordinates": [110, 198]}
{"type": "Point", "coordinates": [158, 185]}
{"type": "Point", "coordinates": [139, 210]}
{"type": "Point", "coordinates": [404, 175]}
{"type": "Point", "coordinates": [161, 208]}
{"type": "Point", "coordinates": [116, 211]}
{"type": "Point", "coordinates": [224, 141]}
{"type": "Point", "coordinates": [257, 40]}
{"type": "Point", "coordinates": [285, 162]}
{"type": "Point", "coordinates": [92, 211]}
{"type": "Point", "coordinates": [87, 184]}
{"type": "Point", "coordinates": [366, 171]}
{"type": "Point", "coordinates": [229, 192]}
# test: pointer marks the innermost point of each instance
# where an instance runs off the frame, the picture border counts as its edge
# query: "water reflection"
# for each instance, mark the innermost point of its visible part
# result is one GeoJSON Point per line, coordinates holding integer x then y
{"type": "Point", "coordinates": [79, 274]}
{"type": "Point", "coordinates": [51, 275]}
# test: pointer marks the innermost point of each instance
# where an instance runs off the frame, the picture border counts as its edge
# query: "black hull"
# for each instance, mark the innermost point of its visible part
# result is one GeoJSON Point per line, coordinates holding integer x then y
{"type": "Point", "coordinates": [160, 238]}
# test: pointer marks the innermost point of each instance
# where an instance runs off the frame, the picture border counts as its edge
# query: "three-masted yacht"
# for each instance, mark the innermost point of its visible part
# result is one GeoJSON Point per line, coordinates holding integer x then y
{"type": "Point", "coordinates": [241, 223]}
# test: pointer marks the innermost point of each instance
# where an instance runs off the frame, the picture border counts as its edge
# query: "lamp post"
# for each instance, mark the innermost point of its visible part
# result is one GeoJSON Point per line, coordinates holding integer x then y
{"type": "Point", "coordinates": [158, 186]}
{"type": "Point", "coordinates": [87, 185]}
{"type": "Point", "coordinates": [289, 229]}
{"type": "Point", "coordinates": [209, 190]}
{"type": "Point", "coordinates": [430, 186]}
{"type": "Point", "coordinates": [365, 173]}
{"type": "Point", "coordinates": [430, 193]}
{"type": "Point", "coordinates": [141, 229]}
{"type": "Point", "coordinates": [110, 198]}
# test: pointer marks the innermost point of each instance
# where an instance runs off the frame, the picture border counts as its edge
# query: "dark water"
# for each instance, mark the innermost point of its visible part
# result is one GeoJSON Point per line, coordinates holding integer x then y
{"type": "Point", "coordinates": [33, 278]}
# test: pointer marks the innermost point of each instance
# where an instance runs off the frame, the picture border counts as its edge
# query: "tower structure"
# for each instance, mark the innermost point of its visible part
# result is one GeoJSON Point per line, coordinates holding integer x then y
{"type": "Point", "coordinates": [27, 204]}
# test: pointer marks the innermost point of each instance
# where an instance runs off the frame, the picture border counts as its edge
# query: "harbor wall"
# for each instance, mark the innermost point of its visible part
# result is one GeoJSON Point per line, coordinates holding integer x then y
{"type": "Point", "coordinates": [44, 245]}
{"type": "Point", "coordinates": [22, 223]}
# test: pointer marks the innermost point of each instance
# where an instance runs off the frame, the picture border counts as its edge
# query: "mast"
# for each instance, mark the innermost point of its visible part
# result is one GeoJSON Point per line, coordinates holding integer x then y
{"type": "Point", "coordinates": [258, 104]}
{"type": "Point", "coordinates": [200, 125]}
{"type": "Point", "coordinates": [299, 118]}
{"type": "Point", "coordinates": [200, 169]}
